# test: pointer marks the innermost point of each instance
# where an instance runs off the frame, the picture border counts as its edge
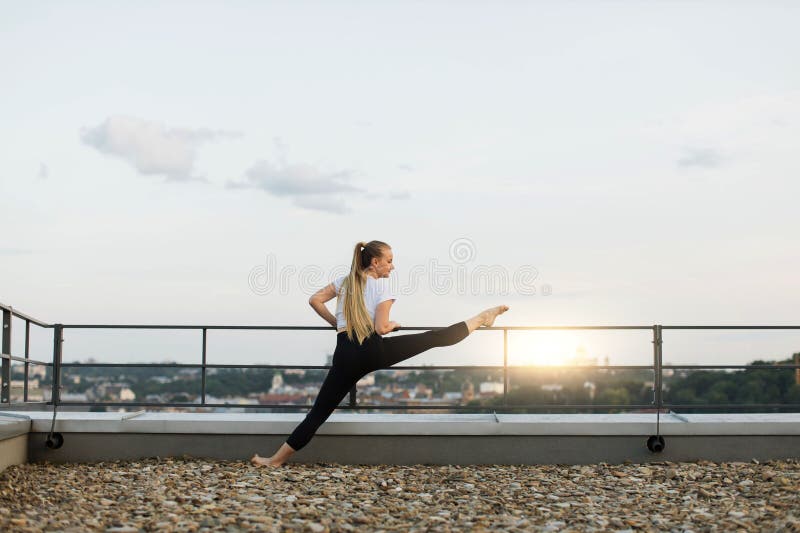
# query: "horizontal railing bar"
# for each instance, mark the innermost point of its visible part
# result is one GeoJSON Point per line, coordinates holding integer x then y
{"type": "Point", "coordinates": [418, 367]}
{"type": "Point", "coordinates": [323, 328]}
{"type": "Point", "coordinates": [431, 367]}
{"type": "Point", "coordinates": [23, 316]}
{"type": "Point", "coordinates": [304, 367]}
{"type": "Point", "coordinates": [730, 327]}
{"type": "Point", "coordinates": [22, 359]}
{"type": "Point", "coordinates": [189, 326]}
{"type": "Point", "coordinates": [398, 367]}
{"type": "Point", "coordinates": [734, 405]}
{"type": "Point", "coordinates": [731, 366]}
{"type": "Point", "coordinates": [362, 406]}
{"type": "Point", "coordinates": [404, 328]}
{"type": "Point", "coordinates": [436, 406]}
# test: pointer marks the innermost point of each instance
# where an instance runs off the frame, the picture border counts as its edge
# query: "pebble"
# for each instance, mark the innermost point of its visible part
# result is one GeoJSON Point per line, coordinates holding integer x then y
{"type": "Point", "coordinates": [198, 495]}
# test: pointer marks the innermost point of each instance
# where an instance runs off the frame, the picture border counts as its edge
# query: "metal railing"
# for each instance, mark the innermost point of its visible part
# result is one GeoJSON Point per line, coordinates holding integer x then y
{"type": "Point", "coordinates": [657, 368]}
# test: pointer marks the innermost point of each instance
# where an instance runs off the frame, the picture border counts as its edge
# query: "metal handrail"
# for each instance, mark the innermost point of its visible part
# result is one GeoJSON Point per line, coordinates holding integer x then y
{"type": "Point", "coordinates": [657, 367]}
{"type": "Point", "coordinates": [5, 353]}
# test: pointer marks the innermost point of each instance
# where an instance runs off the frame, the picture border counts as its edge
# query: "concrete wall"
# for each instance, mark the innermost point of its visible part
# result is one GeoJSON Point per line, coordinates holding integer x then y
{"type": "Point", "coordinates": [14, 443]}
{"type": "Point", "coordinates": [417, 449]}
{"type": "Point", "coordinates": [354, 438]}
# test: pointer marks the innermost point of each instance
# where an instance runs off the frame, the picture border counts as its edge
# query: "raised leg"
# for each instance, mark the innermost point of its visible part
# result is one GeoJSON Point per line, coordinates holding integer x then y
{"type": "Point", "coordinates": [402, 347]}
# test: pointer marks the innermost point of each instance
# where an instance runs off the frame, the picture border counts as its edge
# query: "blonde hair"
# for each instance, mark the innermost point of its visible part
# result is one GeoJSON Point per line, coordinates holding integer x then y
{"type": "Point", "coordinates": [358, 322]}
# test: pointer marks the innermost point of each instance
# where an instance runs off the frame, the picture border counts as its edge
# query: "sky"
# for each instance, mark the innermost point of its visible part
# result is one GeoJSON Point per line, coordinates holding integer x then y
{"type": "Point", "coordinates": [214, 163]}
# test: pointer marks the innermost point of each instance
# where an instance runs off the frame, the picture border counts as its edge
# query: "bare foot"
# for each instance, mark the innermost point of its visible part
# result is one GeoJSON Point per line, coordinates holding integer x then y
{"type": "Point", "coordinates": [262, 461]}
{"type": "Point", "coordinates": [490, 314]}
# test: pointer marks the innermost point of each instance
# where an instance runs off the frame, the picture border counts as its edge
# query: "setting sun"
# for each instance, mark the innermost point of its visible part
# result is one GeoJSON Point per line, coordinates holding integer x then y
{"type": "Point", "coordinates": [547, 348]}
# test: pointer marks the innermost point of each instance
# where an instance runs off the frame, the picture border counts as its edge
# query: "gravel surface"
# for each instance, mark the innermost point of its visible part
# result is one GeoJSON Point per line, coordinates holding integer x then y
{"type": "Point", "coordinates": [191, 494]}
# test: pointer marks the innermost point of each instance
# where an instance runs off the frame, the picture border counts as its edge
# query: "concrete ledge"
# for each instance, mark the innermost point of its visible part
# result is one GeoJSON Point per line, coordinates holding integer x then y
{"type": "Point", "coordinates": [11, 427]}
{"type": "Point", "coordinates": [422, 424]}
{"type": "Point", "coordinates": [354, 438]}
{"type": "Point", "coordinates": [13, 441]}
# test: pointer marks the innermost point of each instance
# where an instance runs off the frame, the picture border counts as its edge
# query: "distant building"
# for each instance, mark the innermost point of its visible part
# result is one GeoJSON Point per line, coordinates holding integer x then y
{"type": "Point", "coordinates": [73, 397]}
{"type": "Point", "coordinates": [232, 400]}
{"type": "Point", "coordinates": [582, 358]}
{"type": "Point", "coordinates": [553, 387]}
{"type": "Point", "coordinates": [591, 387]}
{"type": "Point", "coordinates": [126, 394]}
{"type": "Point", "coordinates": [467, 391]}
{"type": "Point", "coordinates": [114, 391]}
{"type": "Point", "coordinates": [366, 381]}
{"type": "Point", "coordinates": [282, 398]}
{"type": "Point", "coordinates": [17, 389]}
{"type": "Point", "coordinates": [491, 387]}
{"type": "Point", "coordinates": [422, 391]}
{"type": "Point", "coordinates": [277, 382]}
{"type": "Point", "coordinates": [20, 384]}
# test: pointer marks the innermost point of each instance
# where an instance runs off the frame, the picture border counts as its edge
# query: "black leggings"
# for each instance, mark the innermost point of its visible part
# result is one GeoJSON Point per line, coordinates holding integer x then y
{"type": "Point", "coordinates": [351, 362]}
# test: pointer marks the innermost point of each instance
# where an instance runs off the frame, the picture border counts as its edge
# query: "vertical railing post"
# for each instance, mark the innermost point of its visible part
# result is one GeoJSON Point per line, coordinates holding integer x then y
{"type": "Point", "coordinates": [27, 355]}
{"type": "Point", "coordinates": [203, 372]}
{"type": "Point", "coordinates": [5, 393]}
{"type": "Point", "coordinates": [797, 370]}
{"type": "Point", "coordinates": [505, 367]}
{"type": "Point", "coordinates": [58, 340]}
{"type": "Point", "coordinates": [657, 370]}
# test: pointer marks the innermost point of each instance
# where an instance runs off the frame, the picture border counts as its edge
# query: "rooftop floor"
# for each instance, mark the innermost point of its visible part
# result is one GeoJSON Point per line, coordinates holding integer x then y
{"type": "Point", "coordinates": [186, 494]}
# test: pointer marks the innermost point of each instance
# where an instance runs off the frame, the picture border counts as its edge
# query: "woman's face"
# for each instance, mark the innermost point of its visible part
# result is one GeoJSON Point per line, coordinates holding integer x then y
{"type": "Point", "coordinates": [383, 266]}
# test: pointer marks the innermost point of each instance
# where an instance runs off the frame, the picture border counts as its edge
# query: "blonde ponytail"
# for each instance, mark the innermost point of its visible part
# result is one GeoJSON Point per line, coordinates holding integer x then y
{"type": "Point", "coordinates": [358, 322]}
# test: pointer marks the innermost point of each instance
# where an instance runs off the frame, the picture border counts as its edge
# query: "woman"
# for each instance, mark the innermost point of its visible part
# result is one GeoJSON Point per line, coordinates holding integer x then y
{"type": "Point", "coordinates": [360, 324]}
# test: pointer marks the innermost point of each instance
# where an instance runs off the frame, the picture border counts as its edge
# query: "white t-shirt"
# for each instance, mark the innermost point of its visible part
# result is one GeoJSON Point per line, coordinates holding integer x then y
{"type": "Point", "coordinates": [376, 290]}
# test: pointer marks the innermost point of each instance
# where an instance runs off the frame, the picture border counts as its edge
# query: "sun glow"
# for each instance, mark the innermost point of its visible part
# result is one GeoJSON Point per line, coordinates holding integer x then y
{"type": "Point", "coordinates": [548, 348]}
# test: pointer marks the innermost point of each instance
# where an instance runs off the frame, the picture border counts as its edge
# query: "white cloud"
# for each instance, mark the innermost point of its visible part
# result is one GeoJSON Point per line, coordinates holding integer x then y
{"type": "Point", "coordinates": [322, 203]}
{"type": "Point", "coordinates": [295, 180]}
{"type": "Point", "coordinates": [307, 186]}
{"type": "Point", "coordinates": [151, 147]}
